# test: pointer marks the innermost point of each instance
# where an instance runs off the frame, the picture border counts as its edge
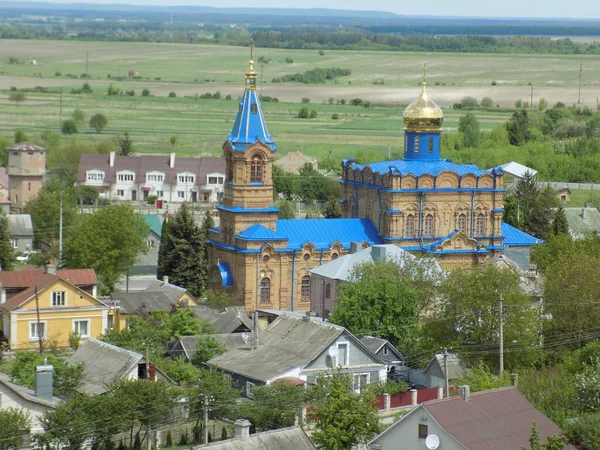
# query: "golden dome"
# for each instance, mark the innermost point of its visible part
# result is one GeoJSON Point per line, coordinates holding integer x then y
{"type": "Point", "coordinates": [423, 114]}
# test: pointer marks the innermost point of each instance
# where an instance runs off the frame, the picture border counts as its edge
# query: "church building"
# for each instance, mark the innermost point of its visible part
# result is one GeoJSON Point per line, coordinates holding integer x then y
{"type": "Point", "coordinates": [422, 203]}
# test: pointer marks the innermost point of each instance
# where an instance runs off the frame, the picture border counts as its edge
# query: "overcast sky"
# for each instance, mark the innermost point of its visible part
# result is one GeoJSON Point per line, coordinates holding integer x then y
{"type": "Point", "coordinates": [586, 9]}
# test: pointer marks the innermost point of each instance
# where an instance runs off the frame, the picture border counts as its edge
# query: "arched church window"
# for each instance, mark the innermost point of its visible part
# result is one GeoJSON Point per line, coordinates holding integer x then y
{"type": "Point", "coordinates": [480, 225]}
{"type": "Point", "coordinates": [256, 169]}
{"type": "Point", "coordinates": [429, 229]}
{"type": "Point", "coordinates": [265, 290]}
{"type": "Point", "coordinates": [229, 164]}
{"type": "Point", "coordinates": [430, 140]}
{"type": "Point", "coordinates": [461, 222]}
{"type": "Point", "coordinates": [305, 292]}
{"type": "Point", "coordinates": [410, 226]}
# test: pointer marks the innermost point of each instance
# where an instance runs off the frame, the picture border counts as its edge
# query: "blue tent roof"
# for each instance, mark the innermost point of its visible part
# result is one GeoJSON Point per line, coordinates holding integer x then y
{"type": "Point", "coordinates": [250, 125]}
{"type": "Point", "coordinates": [422, 167]}
{"type": "Point", "coordinates": [323, 233]}
{"type": "Point", "coordinates": [259, 233]}
{"type": "Point", "coordinates": [513, 237]}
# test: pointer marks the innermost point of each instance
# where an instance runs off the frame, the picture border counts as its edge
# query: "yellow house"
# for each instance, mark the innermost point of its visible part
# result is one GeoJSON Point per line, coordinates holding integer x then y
{"type": "Point", "coordinates": [159, 295]}
{"type": "Point", "coordinates": [50, 308]}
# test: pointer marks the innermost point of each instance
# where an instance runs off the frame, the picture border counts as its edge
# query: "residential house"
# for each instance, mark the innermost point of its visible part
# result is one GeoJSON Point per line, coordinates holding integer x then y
{"type": "Point", "coordinates": [327, 278]}
{"type": "Point", "coordinates": [293, 438]}
{"type": "Point", "coordinates": [105, 363]}
{"type": "Point", "coordinates": [582, 221]}
{"type": "Point", "coordinates": [169, 178]}
{"type": "Point", "coordinates": [233, 320]}
{"type": "Point", "coordinates": [294, 161]}
{"type": "Point", "coordinates": [498, 419]}
{"type": "Point", "coordinates": [514, 171]}
{"type": "Point", "coordinates": [20, 230]}
{"type": "Point", "coordinates": [299, 347]}
{"type": "Point", "coordinates": [386, 351]}
{"type": "Point", "coordinates": [34, 402]}
{"type": "Point", "coordinates": [187, 346]}
{"type": "Point", "coordinates": [147, 262]}
{"type": "Point", "coordinates": [563, 194]}
{"type": "Point", "coordinates": [158, 296]}
{"type": "Point", "coordinates": [38, 305]}
{"type": "Point", "coordinates": [435, 371]}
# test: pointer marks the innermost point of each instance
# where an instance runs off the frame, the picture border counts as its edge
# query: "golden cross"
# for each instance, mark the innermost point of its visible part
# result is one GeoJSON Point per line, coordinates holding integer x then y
{"type": "Point", "coordinates": [251, 48]}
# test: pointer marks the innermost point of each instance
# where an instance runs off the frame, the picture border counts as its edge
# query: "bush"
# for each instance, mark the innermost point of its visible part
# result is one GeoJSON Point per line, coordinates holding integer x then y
{"type": "Point", "coordinates": [130, 93]}
{"type": "Point", "coordinates": [322, 52]}
{"type": "Point", "coordinates": [17, 97]}
{"type": "Point", "coordinates": [305, 100]}
{"type": "Point", "coordinates": [356, 101]}
{"type": "Point", "coordinates": [172, 94]}
{"type": "Point", "coordinates": [151, 199]}
{"type": "Point", "coordinates": [78, 115]}
{"type": "Point", "coordinates": [86, 88]}
{"type": "Point", "coordinates": [314, 76]}
{"type": "Point", "coordinates": [183, 440]}
{"type": "Point", "coordinates": [113, 90]}
{"type": "Point", "coordinates": [487, 102]}
{"type": "Point", "coordinates": [367, 104]}
{"type": "Point", "coordinates": [289, 60]}
{"type": "Point", "coordinates": [494, 83]}
{"type": "Point", "coordinates": [228, 97]}
{"type": "Point", "coordinates": [98, 122]}
{"type": "Point", "coordinates": [342, 102]}
{"type": "Point", "coordinates": [13, 89]}
{"type": "Point", "coordinates": [335, 116]}
{"type": "Point", "coordinates": [69, 126]}
{"type": "Point", "coordinates": [21, 136]}
{"type": "Point", "coordinates": [519, 104]}
{"type": "Point", "coordinates": [303, 113]}
{"type": "Point", "coordinates": [469, 102]}
{"type": "Point", "coordinates": [331, 100]}
{"type": "Point", "coordinates": [58, 74]}
{"type": "Point", "coordinates": [313, 114]}
{"type": "Point", "coordinates": [169, 439]}
{"type": "Point", "coordinates": [146, 92]}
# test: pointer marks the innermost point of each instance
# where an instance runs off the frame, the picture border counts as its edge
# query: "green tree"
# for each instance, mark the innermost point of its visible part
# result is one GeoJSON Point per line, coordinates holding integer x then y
{"type": "Point", "coordinates": [303, 113]}
{"type": "Point", "coordinates": [21, 136]}
{"type": "Point", "coordinates": [109, 240]}
{"type": "Point", "coordinates": [113, 90]}
{"type": "Point", "coordinates": [560, 224]}
{"type": "Point", "coordinates": [535, 207]}
{"type": "Point", "coordinates": [67, 425]}
{"type": "Point", "coordinates": [146, 92]}
{"type": "Point", "coordinates": [125, 145]}
{"type": "Point", "coordinates": [98, 122]}
{"type": "Point", "coordinates": [218, 300]}
{"type": "Point", "coordinates": [468, 317]}
{"type": "Point", "coordinates": [15, 424]}
{"type": "Point", "coordinates": [286, 209]}
{"type": "Point", "coordinates": [78, 115]}
{"type": "Point", "coordinates": [468, 127]}
{"type": "Point", "coordinates": [216, 387]}
{"type": "Point", "coordinates": [164, 248]}
{"type": "Point", "coordinates": [332, 209]}
{"type": "Point", "coordinates": [17, 97]}
{"type": "Point", "coordinates": [554, 442]}
{"type": "Point", "coordinates": [183, 257]}
{"type": "Point", "coordinates": [313, 114]}
{"type": "Point", "coordinates": [585, 431]}
{"type": "Point", "coordinates": [519, 128]}
{"type": "Point", "coordinates": [207, 348]}
{"type": "Point", "coordinates": [305, 100]}
{"type": "Point", "coordinates": [285, 183]}
{"type": "Point", "coordinates": [7, 256]}
{"type": "Point", "coordinates": [487, 102]}
{"type": "Point", "coordinates": [542, 104]}
{"type": "Point", "coordinates": [344, 418]}
{"type": "Point", "coordinates": [173, 140]}
{"type": "Point", "coordinates": [68, 126]}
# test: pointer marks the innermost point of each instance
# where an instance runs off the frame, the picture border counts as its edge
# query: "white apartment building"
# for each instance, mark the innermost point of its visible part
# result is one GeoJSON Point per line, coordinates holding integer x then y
{"type": "Point", "coordinates": [172, 179]}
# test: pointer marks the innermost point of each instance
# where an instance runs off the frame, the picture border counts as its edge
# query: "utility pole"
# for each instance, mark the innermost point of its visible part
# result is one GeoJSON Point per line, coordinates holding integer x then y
{"type": "Point", "coordinates": [205, 424]}
{"type": "Point", "coordinates": [147, 360]}
{"type": "Point", "coordinates": [580, 74]}
{"type": "Point", "coordinates": [60, 233]}
{"type": "Point", "coordinates": [60, 112]}
{"type": "Point", "coordinates": [39, 324]}
{"type": "Point", "coordinates": [446, 381]}
{"type": "Point", "coordinates": [501, 335]}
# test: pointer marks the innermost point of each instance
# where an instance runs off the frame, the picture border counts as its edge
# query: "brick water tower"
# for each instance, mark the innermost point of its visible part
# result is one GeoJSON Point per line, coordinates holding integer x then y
{"type": "Point", "coordinates": [26, 166]}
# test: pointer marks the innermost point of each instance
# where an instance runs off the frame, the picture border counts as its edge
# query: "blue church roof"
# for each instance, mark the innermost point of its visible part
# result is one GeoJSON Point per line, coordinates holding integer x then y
{"type": "Point", "coordinates": [226, 276]}
{"type": "Point", "coordinates": [513, 237]}
{"type": "Point", "coordinates": [250, 125]}
{"type": "Point", "coordinates": [323, 233]}
{"type": "Point", "coordinates": [422, 167]}
{"type": "Point", "coordinates": [260, 233]}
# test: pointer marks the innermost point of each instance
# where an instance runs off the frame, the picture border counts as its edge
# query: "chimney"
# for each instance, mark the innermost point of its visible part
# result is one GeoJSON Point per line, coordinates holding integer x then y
{"type": "Point", "coordinates": [43, 382]}
{"type": "Point", "coordinates": [378, 252]}
{"type": "Point", "coordinates": [309, 316]}
{"type": "Point", "coordinates": [111, 159]}
{"type": "Point", "coordinates": [165, 280]}
{"type": "Point", "coordinates": [172, 161]}
{"type": "Point", "coordinates": [50, 268]}
{"type": "Point", "coordinates": [242, 429]}
{"type": "Point", "coordinates": [465, 392]}
{"type": "Point", "coordinates": [354, 247]}
{"type": "Point", "coordinates": [583, 213]}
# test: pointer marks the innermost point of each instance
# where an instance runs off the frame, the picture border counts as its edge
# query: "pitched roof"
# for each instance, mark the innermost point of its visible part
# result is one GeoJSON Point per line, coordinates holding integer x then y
{"type": "Point", "coordinates": [42, 282]}
{"type": "Point", "coordinates": [224, 322]}
{"type": "Point", "coordinates": [259, 232]}
{"type": "Point", "coordinates": [496, 419]}
{"type": "Point", "coordinates": [25, 147]}
{"type": "Point", "coordinates": [375, 344]}
{"type": "Point", "coordinates": [294, 161]}
{"type": "Point", "coordinates": [20, 225]}
{"type": "Point", "coordinates": [517, 170]}
{"type": "Point", "coordinates": [293, 438]}
{"type": "Point", "coordinates": [21, 279]}
{"type": "Point", "coordinates": [103, 364]}
{"type": "Point", "coordinates": [287, 343]}
{"type": "Point", "coordinates": [154, 223]}
{"type": "Point", "coordinates": [513, 237]}
{"type": "Point", "coordinates": [28, 394]}
{"type": "Point", "coordinates": [421, 167]}
{"type": "Point", "coordinates": [250, 126]}
{"type": "Point", "coordinates": [229, 341]}
{"type": "Point", "coordinates": [131, 302]}
{"type": "Point", "coordinates": [456, 366]}
{"type": "Point", "coordinates": [582, 220]}
{"type": "Point", "coordinates": [323, 233]}
{"type": "Point", "coordinates": [78, 277]}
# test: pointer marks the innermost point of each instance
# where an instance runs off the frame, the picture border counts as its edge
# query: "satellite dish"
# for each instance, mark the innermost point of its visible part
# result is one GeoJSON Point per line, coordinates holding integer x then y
{"type": "Point", "coordinates": [432, 442]}
{"type": "Point", "coordinates": [334, 352]}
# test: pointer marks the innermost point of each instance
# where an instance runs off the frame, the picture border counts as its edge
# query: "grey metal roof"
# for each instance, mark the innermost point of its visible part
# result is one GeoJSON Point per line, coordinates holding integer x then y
{"type": "Point", "coordinates": [287, 343]}
{"type": "Point", "coordinates": [293, 438]}
{"type": "Point", "coordinates": [517, 170]}
{"type": "Point", "coordinates": [130, 302]}
{"type": "Point", "coordinates": [104, 363]}
{"type": "Point", "coordinates": [229, 341]}
{"type": "Point", "coordinates": [20, 225]}
{"type": "Point", "coordinates": [28, 394]}
{"type": "Point", "coordinates": [228, 321]}
{"type": "Point", "coordinates": [582, 221]}
{"type": "Point", "coordinates": [456, 366]}
{"type": "Point", "coordinates": [341, 268]}
{"type": "Point", "coordinates": [375, 344]}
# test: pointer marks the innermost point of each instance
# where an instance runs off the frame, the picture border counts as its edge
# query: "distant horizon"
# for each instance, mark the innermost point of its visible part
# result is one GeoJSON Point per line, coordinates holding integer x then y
{"type": "Point", "coordinates": [584, 10]}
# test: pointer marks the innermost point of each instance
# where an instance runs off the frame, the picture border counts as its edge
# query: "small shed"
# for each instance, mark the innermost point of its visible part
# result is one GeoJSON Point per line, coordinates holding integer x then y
{"type": "Point", "coordinates": [564, 194]}
{"type": "Point", "coordinates": [435, 371]}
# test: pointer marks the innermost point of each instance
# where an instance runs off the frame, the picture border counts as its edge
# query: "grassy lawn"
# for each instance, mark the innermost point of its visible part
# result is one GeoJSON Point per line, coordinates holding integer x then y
{"type": "Point", "coordinates": [579, 197]}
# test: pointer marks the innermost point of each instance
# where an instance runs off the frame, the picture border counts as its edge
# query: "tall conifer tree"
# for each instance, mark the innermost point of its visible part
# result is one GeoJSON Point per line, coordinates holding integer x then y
{"type": "Point", "coordinates": [6, 248]}
{"type": "Point", "coordinates": [560, 224]}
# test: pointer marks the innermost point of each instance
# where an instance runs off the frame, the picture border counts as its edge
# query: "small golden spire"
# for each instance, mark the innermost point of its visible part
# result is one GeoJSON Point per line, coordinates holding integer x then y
{"type": "Point", "coordinates": [424, 82]}
{"type": "Point", "coordinates": [251, 74]}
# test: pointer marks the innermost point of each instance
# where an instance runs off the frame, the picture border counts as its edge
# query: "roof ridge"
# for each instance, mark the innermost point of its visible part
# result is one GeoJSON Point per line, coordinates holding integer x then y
{"type": "Point", "coordinates": [115, 347]}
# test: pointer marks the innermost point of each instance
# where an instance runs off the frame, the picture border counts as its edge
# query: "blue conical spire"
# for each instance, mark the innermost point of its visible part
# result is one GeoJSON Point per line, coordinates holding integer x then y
{"type": "Point", "coordinates": [250, 125]}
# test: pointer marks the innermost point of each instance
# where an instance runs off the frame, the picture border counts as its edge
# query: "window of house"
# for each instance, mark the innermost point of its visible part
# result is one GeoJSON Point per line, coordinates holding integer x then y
{"type": "Point", "coordinates": [385, 350]}
{"type": "Point", "coordinates": [221, 180]}
{"type": "Point", "coordinates": [110, 323]}
{"type": "Point", "coordinates": [120, 193]}
{"type": "Point", "coordinates": [15, 243]}
{"type": "Point", "coordinates": [125, 177]}
{"type": "Point", "coordinates": [423, 431]}
{"type": "Point", "coordinates": [180, 194]}
{"type": "Point", "coordinates": [265, 290]}
{"type": "Point", "coordinates": [461, 222]}
{"type": "Point", "coordinates": [360, 381]}
{"type": "Point", "coordinates": [480, 225]}
{"type": "Point", "coordinates": [59, 298]}
{"type": "Point", "coordinates": [416, 147]}
{"type": "Point", "coordinates": [150, 243]}
{"type": "Point", "coordinates": [563, 197]}
{"type": "Point", "coordinates": [212, 180]}
{"type": "Point", "coordinates": [95, 176]}
{"type": "Point", "coordinates": [186, 178]}
{"type": "Point", "coordinates": [160, 194]}
{"type": "Point", "coordinates": [155, 177]}
{"type": "Point", "coordinates": [37, 330]}
{"type": "Point", "coordinates": [429, 229]}
{"type": "Point", "coordinates": [82, 327]}
{"type": "Point", "coordinates": [410, 225]}
{"type": "Point", "coordinates": [256, 169]}
{"type": "Point", "coordinates": [328, 291]}
{"type": "Point", "coordinates": [249, 388]}
{"type": "Point", "coordinates": [305, 291]}
{"type": "Point", "coordinates": [343, 356]}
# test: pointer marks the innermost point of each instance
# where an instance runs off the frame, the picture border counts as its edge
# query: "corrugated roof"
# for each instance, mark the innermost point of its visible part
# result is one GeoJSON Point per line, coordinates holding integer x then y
{"type": "Point", "coordinates": [228, 321]}
{"type": "Point", "coordinates": [323, 233]}
{"type": "Point", "coordinates": [456, 367]}
{"type": "Point", "coordinates": [250, 126]}
{"type": "Point", "coordinates": [258, 232]}
{"type": "Point", "coordinates": [372, 343]}
{"type": "Point", "coordinates": [513, 237]}
{"type": "Point", "coordinates": [287, 343]}
{"type": "Point", "coordinates": [78, 277]}
{"type": "Point", "coordinates": [580, 226]}
{"type": "Point", "coordinates": [20, 225]}
{"type": "Point", "coordinates": [25, 147]}
{"type": "Point", "coordinates": [422, 167]}
{"type": "Point", "coordinates": [283, 439]}
{"type": "Point", "coordinates": [22, 279]}
{"type": "Point", "coordinates": [229, 341]}
{"type": "Point", "coordinates": [29, 394]}
{"type": "Point", "coordinates": [103, 364]}
{"type": "Point", "coordinates": [517, 170]}
{"type": "Point", "coordinates": [154, 223]}
{"type": "Point", "coordinates": [499, 419]}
